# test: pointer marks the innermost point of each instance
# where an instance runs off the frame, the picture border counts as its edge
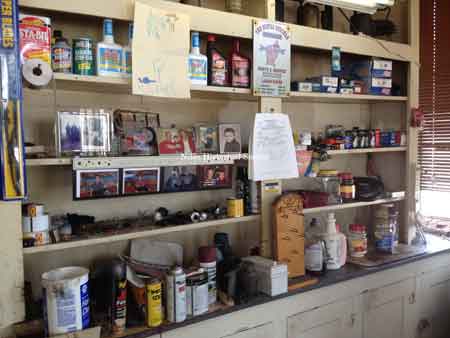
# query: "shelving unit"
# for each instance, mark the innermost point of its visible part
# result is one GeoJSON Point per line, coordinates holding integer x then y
{"type": "Point", "coordinates": [143, 232]}
{"type": "Point", "coordinates": [367, 151]}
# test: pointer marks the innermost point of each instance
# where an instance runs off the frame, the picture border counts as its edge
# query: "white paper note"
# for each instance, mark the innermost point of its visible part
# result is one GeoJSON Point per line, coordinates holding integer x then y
{"type": "Point", "coordinates": [160, 52]}
{"type": "Point", "coordinates": [272, 153]}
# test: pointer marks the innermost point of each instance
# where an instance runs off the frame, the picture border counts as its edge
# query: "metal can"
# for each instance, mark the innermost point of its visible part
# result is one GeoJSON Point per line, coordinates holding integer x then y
{"type": "Point", "coordinates": [235, 207]}
{"type": "Point", "coordinates": [197, 299]}
{"type": "Point", "coordinates": [176, 295]}
{"type": "Point", "coordinates": [83, 56]}
{"type": "Point", "coordinates": [154, 303]}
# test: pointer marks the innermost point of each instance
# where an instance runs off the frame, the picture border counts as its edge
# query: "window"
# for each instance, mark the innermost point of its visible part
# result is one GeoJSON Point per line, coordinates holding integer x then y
{"type": "Point", "coordinates": [434, 140]}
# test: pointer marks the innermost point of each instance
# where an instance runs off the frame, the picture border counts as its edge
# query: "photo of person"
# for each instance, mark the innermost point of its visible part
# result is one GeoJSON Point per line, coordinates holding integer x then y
{"type": "Point", "coordinates": [187, 136]}
{"type": "Point", "coordinates": [206, 137]}
{"type": "Point", "coordinates": [170, 141]}
{"type": "Point", "coordinates": [140, 181]}
{"type": "Point", "coordinates": [69, 128]}
{"type": "Point", "coordinates": [230, 138]}
{"type": "Point", "coordinates": [95, 132]}
{"type": "Point", "coordinates": [215, 176]}
{"type": "Point", "coordinates": [180, 179]}
{"type": "Point", "coordinates": [97, 183]}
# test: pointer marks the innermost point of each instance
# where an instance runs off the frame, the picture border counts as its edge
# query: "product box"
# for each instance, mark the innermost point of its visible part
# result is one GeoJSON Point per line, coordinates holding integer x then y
{"type": "Point", "coordinates": [306, 87]}
{"type": "Point", "coordinates": [272, 276]}
{"type": "Point", "coordinates": [379, 86]}
{"type": "Point", "coordinates": [328, 84]}
{"type": "Point", "coordinates": [381, 68]}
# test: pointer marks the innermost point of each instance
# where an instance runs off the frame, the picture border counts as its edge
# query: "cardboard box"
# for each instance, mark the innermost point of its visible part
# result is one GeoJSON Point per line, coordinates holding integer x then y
{"type": "Point", "coordinates": [379, 86]}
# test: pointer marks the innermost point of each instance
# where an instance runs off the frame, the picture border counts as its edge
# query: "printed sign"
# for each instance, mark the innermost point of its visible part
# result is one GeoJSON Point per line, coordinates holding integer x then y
{"type": "Point", "coordinates": [160, 50]}
{"type": "Point", "coordinates": [271, 58]}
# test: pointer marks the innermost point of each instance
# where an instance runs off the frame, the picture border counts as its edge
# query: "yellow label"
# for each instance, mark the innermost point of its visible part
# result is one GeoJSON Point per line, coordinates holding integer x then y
{"type": "Point", "coordinates": [154, 305]}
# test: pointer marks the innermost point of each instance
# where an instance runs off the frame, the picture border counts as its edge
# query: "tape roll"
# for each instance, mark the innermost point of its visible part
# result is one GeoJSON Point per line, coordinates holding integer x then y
{"type": "Point", "coordinates": [37, 72]}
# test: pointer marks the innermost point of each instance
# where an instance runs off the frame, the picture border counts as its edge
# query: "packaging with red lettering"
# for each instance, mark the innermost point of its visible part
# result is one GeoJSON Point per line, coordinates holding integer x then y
{"type": "Point", "coordinates": [35, 38]}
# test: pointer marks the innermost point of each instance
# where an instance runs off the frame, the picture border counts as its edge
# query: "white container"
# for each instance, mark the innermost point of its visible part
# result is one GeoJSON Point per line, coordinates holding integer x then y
{"type": "Point", "coordinates": [335, 245]}
{"type": "Point", "coordinates": [197, 62]}
{"type": "Point", "coordinates": [66, 300]}
{"type": "Point", "coordinates": [126, 54]}
{"type": "Point", "coordinates": [176, 296]}
{"type": "Point", "coordinates": [109, 54]}
{"type": "Point", "coordinates": [272, 276]}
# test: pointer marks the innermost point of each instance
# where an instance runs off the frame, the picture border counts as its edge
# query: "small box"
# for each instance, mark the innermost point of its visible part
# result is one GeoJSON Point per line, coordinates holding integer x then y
{"type": "Point", "coordinates": [346, 90]}
{"type": "Point", "coordinates": [380, 86]}
{"type": "Point", "coordinates": [381, 68]}
{"type": "Point", "coordinates": [272, 276]}
{"type": "Point", "coordinates": [328, 84]}
{"type": "Point", "coordinates": [305, 87]}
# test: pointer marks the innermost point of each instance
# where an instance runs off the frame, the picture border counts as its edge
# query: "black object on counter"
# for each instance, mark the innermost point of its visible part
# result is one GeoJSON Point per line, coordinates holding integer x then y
{"type": "Point", "coordinates": [368, 188]}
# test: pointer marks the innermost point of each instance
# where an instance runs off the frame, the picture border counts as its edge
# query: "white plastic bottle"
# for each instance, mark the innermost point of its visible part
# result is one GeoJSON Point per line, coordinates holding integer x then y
{"type": "Point", "coordinates": [126, 54]}
{"type": "Point", "coordinates": [109, 54]}
{"type": "Point", "coordinates": [336, 245]}
{"type": "Point", "coordinates": [197, 62]}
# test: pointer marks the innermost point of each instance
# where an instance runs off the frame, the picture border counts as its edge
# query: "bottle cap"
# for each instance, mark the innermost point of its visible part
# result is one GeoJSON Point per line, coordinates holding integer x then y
{"type": "Point", "coordinates": [57, 34]}
{"type": "Point", "coordinates": [211, 38]}
{"type": "Point", "coordinates": [207, 254]}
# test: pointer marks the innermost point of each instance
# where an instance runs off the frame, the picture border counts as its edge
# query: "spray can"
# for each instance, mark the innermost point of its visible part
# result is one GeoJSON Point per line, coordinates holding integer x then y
{"type": "Point", "coordinates": [207, 259]}
{"type": "Point", "coordinates": [119, 301]}
{"type": "Point", "coordinates": [197, 293]}
{"type": "Point", "coordinates": [154, 303]}
{"type": "Point", "coordinates": [176, 295]}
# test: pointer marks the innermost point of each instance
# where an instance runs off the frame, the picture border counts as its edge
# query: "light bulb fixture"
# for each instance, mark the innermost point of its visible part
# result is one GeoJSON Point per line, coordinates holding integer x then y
{"type": "Point", "coordinates": [362, 6]}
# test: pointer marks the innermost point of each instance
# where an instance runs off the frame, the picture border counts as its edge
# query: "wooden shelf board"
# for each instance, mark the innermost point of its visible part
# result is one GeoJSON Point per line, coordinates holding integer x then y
{"type": "Point", "coordinates": [142, 233]}
{"type": "Point", "coordinates": [43, 162]}
{"type": "Point", "coordinates": [351, 205]}
{"type": "Point", "coordinates": [343, 98]}
{"type": "Point", "coordinates": [367, 151]}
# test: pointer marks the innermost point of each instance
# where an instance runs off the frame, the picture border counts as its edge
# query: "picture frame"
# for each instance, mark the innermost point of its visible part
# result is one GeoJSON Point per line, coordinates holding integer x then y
{"type": "Point", "coordinates": [68, 132]}
{"type": "Point", "coordinates": [170, 141]}
{"type": "Point", "coordinates": [140, 181]}
{"type": "Point", "coordinates": [215, 176]}
{"type": "Point", "coordinates": [188, 138]}
{"type": "Point", "coordinates": [95, 132]}
{"type": "Point", "coordinates": [230, 138]}
{"type": "Point", "coordinates": [136, 132]}
{"type": "Point", "coordinates": [206, 136]}
{"type": "Point", "coordinates": [179, 179]}
{"type": "Point", "coordinates": [96, 183]}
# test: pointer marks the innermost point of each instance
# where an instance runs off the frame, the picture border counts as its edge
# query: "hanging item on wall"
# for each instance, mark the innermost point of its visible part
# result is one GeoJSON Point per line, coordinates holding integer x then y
{"type": "Point", "coordinates": [162, 72]}
{"type": "Point", "coordinates": [12, 161]}
{"type": "Point", "coordinates": [140, 181]}
{"type": "Point", "coordinates": [230, 138]}
{"type": "Point", "coordinates": [96, 183]}
{"type": "Point", "coordinates": [271, 58]}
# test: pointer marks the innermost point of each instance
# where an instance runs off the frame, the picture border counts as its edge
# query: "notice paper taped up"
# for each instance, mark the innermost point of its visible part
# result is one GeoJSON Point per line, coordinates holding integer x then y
{"type": "Point", "coordinates": [272, 150]}
{"type": "Point", "coordinates": [160, 52]}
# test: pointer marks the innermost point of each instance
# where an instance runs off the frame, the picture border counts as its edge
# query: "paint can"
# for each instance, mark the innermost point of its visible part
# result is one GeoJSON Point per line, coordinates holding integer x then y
{"type": "Point", "coordinates": [66, 300]}
{"type": "Point", "coordinates": [154, 303]}
{"type": "Point", "coordinates": [207, 256]}
{"type": "Point", "coordinates": [197, 299]}
{"type": "Point", "coordinates": [235, 207]}
{"type": "Point", "coordinates": [176, 295]}
{"type": "Point", "coordinates": [83, 56]}
{"type": "Point", "coordinates": [119, 292]}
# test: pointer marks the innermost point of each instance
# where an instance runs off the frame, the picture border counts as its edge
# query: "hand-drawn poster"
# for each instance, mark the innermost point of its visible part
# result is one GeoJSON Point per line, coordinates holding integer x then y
{"type": "Point", "coordinates": [271, 58]}
{"type": "Point", "coordinates": [160, 52]}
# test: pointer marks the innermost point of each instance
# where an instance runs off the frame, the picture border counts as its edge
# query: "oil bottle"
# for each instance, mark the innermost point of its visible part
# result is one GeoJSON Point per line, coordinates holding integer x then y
{"type": "Point", "coordinates": [197, 62]}
{"type": "Point", "coordinates": [217, 64]}
{"type": "Point", "coordinates": [126, 53]}
{"type": "Point", "coordinates": [239, 67]}
{"type": "Point", "coordinates": [109, 54]}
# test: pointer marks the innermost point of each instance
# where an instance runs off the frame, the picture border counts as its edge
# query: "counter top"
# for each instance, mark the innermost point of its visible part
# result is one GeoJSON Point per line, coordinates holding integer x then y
{"type": "Point", "coordinates": [435, 246]}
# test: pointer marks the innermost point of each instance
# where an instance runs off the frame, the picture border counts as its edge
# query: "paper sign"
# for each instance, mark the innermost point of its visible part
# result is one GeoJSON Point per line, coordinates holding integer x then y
{"type": "Point", "coordinates": [272, 150]}
{"type": "Point", "coordinates": [271, 58]}
{"type": "Point", "coordinates": [160, 52]}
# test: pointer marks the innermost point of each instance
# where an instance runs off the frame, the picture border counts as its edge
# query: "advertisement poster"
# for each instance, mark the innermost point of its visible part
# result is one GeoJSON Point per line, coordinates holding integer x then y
{"type": "Point", "coordinates": [271, 58]}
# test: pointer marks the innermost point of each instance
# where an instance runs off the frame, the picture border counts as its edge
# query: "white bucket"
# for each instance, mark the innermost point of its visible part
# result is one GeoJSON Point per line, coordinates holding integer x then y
{"type": "Point", "coordinates": [66, 300]}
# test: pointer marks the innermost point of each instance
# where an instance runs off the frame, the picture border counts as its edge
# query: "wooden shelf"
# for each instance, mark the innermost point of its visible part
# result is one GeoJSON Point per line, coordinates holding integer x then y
{"type": "Point", "coordinates": [343, 206]}
{"type": "Point", "coordinates": [45, 162]}
{"type": "Point", "coordinates": [230, 24]}
{"type": "Point", "coordinates": [343, 98]}
{"type": "Point", "coordinates": [367, 151]}
{"type": "Point", "coordinates": [141, 233]}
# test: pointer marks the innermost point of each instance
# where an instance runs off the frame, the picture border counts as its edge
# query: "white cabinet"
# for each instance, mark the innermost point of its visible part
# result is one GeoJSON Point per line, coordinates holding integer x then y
{"type": "Point", "coordinates": [262, 331]}
{"type": "Point", "coordinates": [337, 320]}
{"type": "Point", "coordinates": [388, 311]}
{"type": "Point", "coordinates": [434, 318]}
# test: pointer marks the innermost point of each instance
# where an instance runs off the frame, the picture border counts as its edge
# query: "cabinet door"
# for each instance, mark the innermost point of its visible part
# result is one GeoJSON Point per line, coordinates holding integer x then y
{"type": "Point", "coordinates": [261, 331]}
{"type": "Point", "coordinates": [434, 319]}
{"type": "Point", "coordinates": [335, 320]}
{"type": "Point", "coordinates": [388, 311]}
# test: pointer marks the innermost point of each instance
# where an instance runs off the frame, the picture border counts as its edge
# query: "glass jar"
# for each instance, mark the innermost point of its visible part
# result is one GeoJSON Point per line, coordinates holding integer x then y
{"type": "Point", "coordinates": [332, 185]}
{"type": "Point", "coordinates": [357, 240]}
{"type": "Point", "coordinates": [347, 187]}
{"type": "Point", "coordinates": [386, 228]}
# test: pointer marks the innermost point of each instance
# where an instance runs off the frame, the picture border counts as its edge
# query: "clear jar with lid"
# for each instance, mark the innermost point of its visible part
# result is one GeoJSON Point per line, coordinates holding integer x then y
{"type": "Point", "coordinates": [357, 240]}
{"type": "Point", "coordinates": [331, 185]}
{"type": "Point", "coordinates": [386, 227]}
{"type": "Point", "coordinates": [347, 187]}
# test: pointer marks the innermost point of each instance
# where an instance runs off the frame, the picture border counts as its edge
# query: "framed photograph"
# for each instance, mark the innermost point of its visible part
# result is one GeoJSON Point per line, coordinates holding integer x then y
{"type": "Point", "coordinates": [140, 181]}
{"type": "Point", "coordinates": [97, 183]}
{"type": "Point", "coordinates": [214, 176]}
{"type": "Point", "coordinates": [188, 137]}
{"type": "Point", "coordinates": [68, 132]}
{"type": "Point", "coordinates": [170, 141]}
{"type": "Point", "coordinates": [96, 129]}
{"type": "Point", "coordinates": [176, 179]}
{"type": "Point", "coordinates": [230, 138]}
{"type": "Point", "coordinates": [206, 139]}
{"type": "Point", "coordinates": [136, 132]}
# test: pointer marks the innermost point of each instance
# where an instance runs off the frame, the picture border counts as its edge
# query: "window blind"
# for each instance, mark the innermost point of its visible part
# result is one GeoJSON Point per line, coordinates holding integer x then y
{"type": "Point", "coordinates": [434, 140]}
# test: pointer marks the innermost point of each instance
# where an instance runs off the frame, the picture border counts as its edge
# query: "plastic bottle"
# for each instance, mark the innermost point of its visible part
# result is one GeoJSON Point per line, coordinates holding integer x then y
{"type": "Point", "coordinates": [217, 64]}
{"type": "Point", "coordinates": [61, 54]}
{"type": "Point", "coordinates": [126, 53]}
{"type": "Point", "coordinates": [197, 62]}
{"type": "Point", "coordinates": [239, 65]}
{"type": "Point", "coordinates": [109, 54]}
{"type": "Point", "coordinates": [335, 244]}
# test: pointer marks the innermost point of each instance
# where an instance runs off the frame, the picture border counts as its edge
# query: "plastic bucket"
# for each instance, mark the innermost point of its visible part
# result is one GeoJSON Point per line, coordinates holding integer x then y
{"type": "Point", "coordinates": [66, 300]}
